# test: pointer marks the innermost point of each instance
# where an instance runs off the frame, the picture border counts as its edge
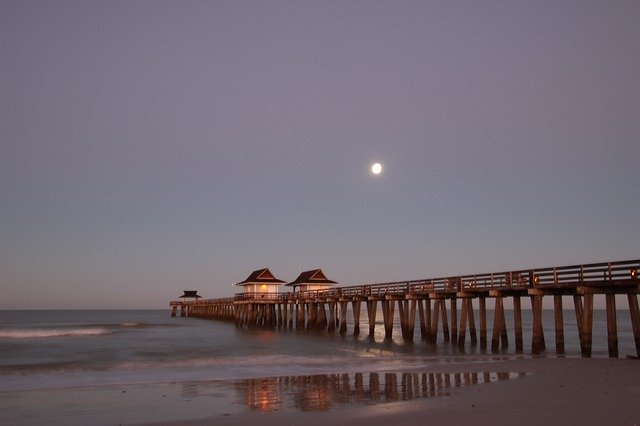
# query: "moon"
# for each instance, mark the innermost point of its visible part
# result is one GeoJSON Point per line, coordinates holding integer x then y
{"type": "Point", "coordinates": [376, 168]}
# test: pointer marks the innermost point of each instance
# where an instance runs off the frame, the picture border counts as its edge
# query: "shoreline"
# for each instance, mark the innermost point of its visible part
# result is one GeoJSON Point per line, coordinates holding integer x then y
{"type": "Point", "coordinates": [540, 389]}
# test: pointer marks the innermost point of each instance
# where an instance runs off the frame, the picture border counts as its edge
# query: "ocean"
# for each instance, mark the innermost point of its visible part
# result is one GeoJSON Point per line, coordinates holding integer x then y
{"type": "Point", "coordinates": [61, 349]}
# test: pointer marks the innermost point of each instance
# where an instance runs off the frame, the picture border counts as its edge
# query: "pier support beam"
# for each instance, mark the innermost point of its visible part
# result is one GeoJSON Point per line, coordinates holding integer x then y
{"type": "Point", "coordinates": [634, 312]}
{"type": "Point", "coordinates": [454, 319]}
{"type": "Point", "coordinates": [343, 316]}
{"type": "Point", "coordinates": [612, 326]}
{"type": "Point", "coordinates": [387, 314]}
{"type": "Point", "coordinates": [322, 317]}
{"type": "Point", "coordinates": [355, 305]}
{"type": "Point", "coordinates": [537, 336]}
{"type": "Point", "coordinates": [517, 321]}
{"type": "Point", "coordinates": [559, 323]}
{"type": "Point", "coordinates": [331, 326]}
{"type": "Point", "coordinates": [499, 326]}
{"type": "Point", "coordinates": [372, 306]}
{"type": "Point", "coordinates": [483, 322]}
{"type": "Point", "coordinates": [445, 322]}
{"type": "Point", "coordinates": [434, 322]}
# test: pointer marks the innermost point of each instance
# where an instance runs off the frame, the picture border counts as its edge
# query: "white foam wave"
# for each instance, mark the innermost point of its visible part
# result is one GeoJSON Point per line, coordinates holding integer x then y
{"type": "Point", "coordinates": [44, 333]}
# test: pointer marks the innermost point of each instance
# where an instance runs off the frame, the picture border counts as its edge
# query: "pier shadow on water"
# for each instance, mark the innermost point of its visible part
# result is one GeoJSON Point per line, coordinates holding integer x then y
{"type": "Point", "coordinates": [325, 391]}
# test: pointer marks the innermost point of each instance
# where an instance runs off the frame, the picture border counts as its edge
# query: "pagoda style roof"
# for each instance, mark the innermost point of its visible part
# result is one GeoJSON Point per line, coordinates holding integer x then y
{"type": "Point", "coordinates": [314, 276]}
{"type": "Point", "coordinates": [190, 294]}
{"type": "Point", "coordinates": [261, 276]}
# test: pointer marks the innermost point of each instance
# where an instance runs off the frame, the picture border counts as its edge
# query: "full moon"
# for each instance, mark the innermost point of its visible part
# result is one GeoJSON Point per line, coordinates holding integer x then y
{"type": "Point", "coordinates": [376, 169]}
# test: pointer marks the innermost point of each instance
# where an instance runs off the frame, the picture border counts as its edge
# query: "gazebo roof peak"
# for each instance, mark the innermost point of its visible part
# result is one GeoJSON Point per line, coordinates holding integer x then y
{"type": "Point", "coordinates": [190, 294]}
{"type": "Point", "coordinates": [314, 276]}
{"type": "Point", "coordinates": [261, 276]}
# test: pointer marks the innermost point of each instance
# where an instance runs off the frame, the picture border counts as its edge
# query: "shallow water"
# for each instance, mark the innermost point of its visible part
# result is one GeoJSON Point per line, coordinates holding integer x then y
{"type": "Point", "coordinates": [47, 349]}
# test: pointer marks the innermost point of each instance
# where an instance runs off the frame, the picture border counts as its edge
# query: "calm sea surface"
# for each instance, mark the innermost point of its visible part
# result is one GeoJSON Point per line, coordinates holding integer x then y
{"type": "Point", "coordinates": [47, 349]}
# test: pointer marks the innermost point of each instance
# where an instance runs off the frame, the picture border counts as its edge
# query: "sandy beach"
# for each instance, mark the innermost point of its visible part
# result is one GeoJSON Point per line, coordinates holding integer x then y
{"type": "Point", "coordinates": [539, 391]}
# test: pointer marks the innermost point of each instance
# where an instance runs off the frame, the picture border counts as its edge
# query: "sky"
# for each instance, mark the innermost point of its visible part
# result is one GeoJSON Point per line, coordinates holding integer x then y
{"type": "Point", "coordinates": [147, 147]}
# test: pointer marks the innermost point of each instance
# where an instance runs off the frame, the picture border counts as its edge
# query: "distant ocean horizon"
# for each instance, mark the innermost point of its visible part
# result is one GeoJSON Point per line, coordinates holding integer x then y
{"type": "Point", "coordinates": [44, 349]}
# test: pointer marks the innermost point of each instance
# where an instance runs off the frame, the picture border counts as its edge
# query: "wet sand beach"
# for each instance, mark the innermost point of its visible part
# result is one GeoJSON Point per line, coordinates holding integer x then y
{"type": "Point", "coordinates": [496, 390]}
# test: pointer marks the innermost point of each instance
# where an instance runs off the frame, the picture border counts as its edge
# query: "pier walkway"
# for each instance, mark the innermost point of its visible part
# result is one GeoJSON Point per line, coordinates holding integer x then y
{"type": "Point", "coordinates": [426, 300]}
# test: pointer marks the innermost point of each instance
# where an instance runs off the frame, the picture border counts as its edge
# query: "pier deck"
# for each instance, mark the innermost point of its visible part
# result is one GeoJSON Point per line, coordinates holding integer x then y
{"type": "Point", "coordinates": [426, 300]}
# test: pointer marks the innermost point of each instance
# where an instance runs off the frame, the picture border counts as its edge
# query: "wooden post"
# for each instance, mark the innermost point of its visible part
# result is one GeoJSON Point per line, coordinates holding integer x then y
{"type": "Point", "coordinates": [292, 307]}
{"type": "Point", "coordinates": [174, 310]}
{"type": "Point", "coordinates": [355, 304]}
{"type": "Point", "coordinates": [388, 307]}
{"type": "Point", "coordinates": [559, 322]}
{"type": "Point", "coordinates": [403, 317]}
{"type": "Point", "coordinates": [423, 325]}
{"type": "Point", "coordinates": [434, 323]}
{"type": "Point", "coordinates": [331, 326]}
{"type": "Point", "coordinates": [634, 312]}
{"type": "Point", "coordinates": [445, 323]}
{"type": "Point", "coordinates": [311, 316]}
{"type": "Point", "coordinates": [483, 322]}
{"type": "Point", "coordinates": [300, 307]}
{"type": "Point", "coordinates": [371, 314]}
{"type": "Point", "coordinates": [536, 337]}
{"type": "Point", "coordinates": [577, 303]}
{"type": "Point", "coordinates": [517, 321]}
{"type": "Point", "coordinates": [464, 312]}
{"type": "Point", "coordinates": [343, 316]}
{"type": "Point", "coordinates": [322, 317]}
{"type": "Point", "coordinates": [495, 338]}
{"type": "Point", "coordinates": [412, 318]}
{"type": "Point", "coordinates": [472, 322]}
{"type": "Point", "coordinates": [612, 326]}
{"type": "Point", "coordinates": [427, 317]}
{"type": "Point", "coordinates": [454, 319]}
{"type": "Point", "coordinates": [279, 320]}
{"type": "Point", "coordinates": [587, 324]}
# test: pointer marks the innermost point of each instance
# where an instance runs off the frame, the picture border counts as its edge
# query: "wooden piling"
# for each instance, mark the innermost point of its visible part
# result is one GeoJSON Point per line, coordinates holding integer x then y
{"type": "Point", "coordinates": [445, 323]}
{"type": "Point", "coordinates": [537, 345]}
{"type": "Point", "coordinates": [612, 326]}
{"type": "Point", "coordinates": [355, 304]}
{"type": "Point", "coordinates": [434, 322]}
{"type": "Point", "coordinates": [634, 312]}
{"type": "Point", "coordinates": [454, 319]}
{"type": "Point", "coordinates": [587, 324]}
{"type": "Point", "coordinates": [559, 323]}
{"type": "Point", "coordinates": [517, 322]}
{"type": "Point", "coordinates": [371, 315]}
{"type": "Point", "coordinates": [343, 316]}
{"type": "Point", "coordinates": [424, 334]}
{"type": "Point", "coordinates": [464, 312]}
{"type": "Point", "coordinates": [483, 322]}
{"type": "Point", "coordinates": [387, 314]}
{"type": "Point", "coordinates": [322, 317]}
{"type": "Point", "coordinates": [331, 326]}
{"type": "Point", "coordinates": [497, 324]}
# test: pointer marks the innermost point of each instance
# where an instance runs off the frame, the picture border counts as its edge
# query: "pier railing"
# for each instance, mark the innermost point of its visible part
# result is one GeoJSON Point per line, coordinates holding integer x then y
{"type": "Point", "coordinates": [550, 277]}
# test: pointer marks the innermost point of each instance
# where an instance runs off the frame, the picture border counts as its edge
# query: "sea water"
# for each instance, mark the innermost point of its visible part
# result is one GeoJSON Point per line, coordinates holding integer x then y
{"type": "Point", "coordinates": [54, 349]}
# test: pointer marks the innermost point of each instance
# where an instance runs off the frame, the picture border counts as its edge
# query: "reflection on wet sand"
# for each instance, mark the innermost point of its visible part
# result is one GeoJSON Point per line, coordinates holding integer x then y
{"type": "Point", "coordinates": [321, 392]}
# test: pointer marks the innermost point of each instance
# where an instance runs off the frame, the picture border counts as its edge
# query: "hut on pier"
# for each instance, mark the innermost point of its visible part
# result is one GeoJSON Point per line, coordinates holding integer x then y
{"type": "Point", "coordinates": [261, 283]}
{"type": "Point", "coordinates": [313, 280]}
{"type": "Point", "coordinates": [190, 295]}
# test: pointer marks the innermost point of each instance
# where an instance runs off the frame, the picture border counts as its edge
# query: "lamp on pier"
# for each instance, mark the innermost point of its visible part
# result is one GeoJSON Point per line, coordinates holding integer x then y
{"type": "Point", "coordinates": [634, 274]}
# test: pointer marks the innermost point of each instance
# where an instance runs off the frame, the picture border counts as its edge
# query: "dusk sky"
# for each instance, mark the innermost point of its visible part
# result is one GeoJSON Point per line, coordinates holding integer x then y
{"type": "Point", "coordinates": [148, 147]}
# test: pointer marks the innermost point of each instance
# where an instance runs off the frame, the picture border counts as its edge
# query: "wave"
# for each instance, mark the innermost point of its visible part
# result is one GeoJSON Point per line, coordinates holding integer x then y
{"type": "Point", "coordinates": [78, 331]}
{"type": "Point", "coordinates": [228, 364]}
{"type": "Point", "coordinates": [54, 332]}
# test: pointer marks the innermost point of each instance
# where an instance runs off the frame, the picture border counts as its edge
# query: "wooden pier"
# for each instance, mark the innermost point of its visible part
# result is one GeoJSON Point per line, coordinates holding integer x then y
{"type": "Point", "coordinates": [426, 300]}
